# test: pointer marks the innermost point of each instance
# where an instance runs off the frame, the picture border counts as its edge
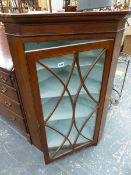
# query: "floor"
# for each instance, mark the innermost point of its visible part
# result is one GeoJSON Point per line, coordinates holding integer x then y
{"type": "Point", "coordinates": [112, 156]}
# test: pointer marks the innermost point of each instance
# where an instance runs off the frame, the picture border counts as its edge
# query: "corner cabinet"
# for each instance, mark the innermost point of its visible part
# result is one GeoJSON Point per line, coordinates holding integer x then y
{"type": "Point", "coordinates": [65, 65]}
{"type": "Point", "coordinates": [69, 83]}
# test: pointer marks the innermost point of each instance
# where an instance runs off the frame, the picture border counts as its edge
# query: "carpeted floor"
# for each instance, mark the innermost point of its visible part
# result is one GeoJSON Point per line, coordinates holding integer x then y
{"type": "Point", "coordinates": [112, 156]}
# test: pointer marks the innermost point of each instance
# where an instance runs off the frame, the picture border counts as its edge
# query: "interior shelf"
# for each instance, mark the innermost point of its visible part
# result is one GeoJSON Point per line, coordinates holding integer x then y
{"type": "Point", "coordinates": [64, 125]}
{"type": "Point", "coordinates": [64, 111]}
{"type": "Point", "coordinates": [53, 88]}
{"type": "Point", "coordinates": [86, 59]}
{"type": "Point", "coordinates": [96, 73]}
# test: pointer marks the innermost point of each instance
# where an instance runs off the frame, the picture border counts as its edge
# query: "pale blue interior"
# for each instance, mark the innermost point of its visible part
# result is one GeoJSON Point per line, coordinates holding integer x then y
{"type": "Point", "coordinates": [50, 44]}
{"type": "Point", "coordinates": [51, 89]}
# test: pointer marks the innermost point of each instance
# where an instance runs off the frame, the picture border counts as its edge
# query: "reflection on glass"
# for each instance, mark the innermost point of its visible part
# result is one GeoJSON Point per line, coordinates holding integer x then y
{"type": "Point", "coordinates": [70, 89]}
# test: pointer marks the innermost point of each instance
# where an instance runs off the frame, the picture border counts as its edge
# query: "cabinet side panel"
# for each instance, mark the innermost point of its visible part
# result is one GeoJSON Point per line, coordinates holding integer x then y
{"type": "Point", "coordinates": [20, 65]}
{"type": "Point", "coordinates": [116, 51]}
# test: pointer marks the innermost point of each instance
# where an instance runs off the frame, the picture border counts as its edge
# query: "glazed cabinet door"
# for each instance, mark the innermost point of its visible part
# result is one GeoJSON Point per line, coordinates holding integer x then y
{"type": "Point", "coordinates": [69, 84]}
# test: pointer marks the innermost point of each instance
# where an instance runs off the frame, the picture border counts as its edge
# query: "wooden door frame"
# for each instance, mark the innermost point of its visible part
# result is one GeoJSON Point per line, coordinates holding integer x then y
{"type": "Point", "coordinates": [35, 55]}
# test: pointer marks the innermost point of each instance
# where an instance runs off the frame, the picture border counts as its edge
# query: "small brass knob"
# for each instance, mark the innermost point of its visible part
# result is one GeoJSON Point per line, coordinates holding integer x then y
{"type": "Point", "coordinates": [8, 104]}
{"type": "Point", "coordinates": [3, 89]}
{"type": "Point", "coordinates": [3, 78]}
{"type": "Point", "coordinates": [13, 119]}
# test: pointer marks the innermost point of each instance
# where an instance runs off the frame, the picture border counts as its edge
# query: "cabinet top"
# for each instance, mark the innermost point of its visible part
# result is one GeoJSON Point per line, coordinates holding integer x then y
{"type": "Point", "coordinates": [40, 17]}
{"type": "Point", "coordinates": [43, 24]}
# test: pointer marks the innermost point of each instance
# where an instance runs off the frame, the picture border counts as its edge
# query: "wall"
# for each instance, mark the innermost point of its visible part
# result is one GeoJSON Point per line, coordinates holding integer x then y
{"type": "Point", "coordinates": [43, 3]}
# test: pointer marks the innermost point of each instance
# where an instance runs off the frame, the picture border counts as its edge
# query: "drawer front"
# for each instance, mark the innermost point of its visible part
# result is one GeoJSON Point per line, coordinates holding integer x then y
{"type": "Point", "coordinates": [8, 91]}
{"type": "Point", "coordinates": [15, 120]}
{"type": "Point", "coordinates": [5, 78]}
{"type": "Point", "coordinates": [10, 104]}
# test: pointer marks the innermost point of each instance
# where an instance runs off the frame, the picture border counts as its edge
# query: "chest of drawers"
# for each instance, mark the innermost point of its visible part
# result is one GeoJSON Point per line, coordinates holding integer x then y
{"type": "Point", "coordinates": [10, 100]}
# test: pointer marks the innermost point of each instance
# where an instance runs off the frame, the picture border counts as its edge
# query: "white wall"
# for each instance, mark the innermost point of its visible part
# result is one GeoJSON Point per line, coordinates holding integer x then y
{"type": "Point", "coordinates": [57, 5]}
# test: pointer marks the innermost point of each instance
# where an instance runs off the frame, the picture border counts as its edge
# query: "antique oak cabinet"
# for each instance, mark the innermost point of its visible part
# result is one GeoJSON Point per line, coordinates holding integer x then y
{"type": "Point", "coordinates": [64, 65]}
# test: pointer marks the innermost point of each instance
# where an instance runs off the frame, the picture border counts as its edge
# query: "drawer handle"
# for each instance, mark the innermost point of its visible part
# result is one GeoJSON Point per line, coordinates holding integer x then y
{"type": "Point", "coordinates": [3, 78]}
{"type": "Point", "coordinates": [13, 119]}
{"type": "Point", "coordinates": [3, 89]}
{"type": "Point", "coordinates": [8, 104]}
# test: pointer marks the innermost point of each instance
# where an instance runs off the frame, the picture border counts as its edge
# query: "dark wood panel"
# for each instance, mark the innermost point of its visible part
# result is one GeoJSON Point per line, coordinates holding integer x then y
{"type": "Point", "coordinates": [63, 28]}
{"type": "Point", "coordinates": [115, 55]}
{"type": "Point", "coordinates": [70, 37]}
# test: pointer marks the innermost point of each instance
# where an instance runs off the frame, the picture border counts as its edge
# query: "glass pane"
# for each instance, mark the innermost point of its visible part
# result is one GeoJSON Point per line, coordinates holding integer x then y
{"type": "Point", "coordinates": [70, 88]}
{"type": "Point", "coordinates": [50, 44]}
{"type": "Point", "coordinates": [94, 77]}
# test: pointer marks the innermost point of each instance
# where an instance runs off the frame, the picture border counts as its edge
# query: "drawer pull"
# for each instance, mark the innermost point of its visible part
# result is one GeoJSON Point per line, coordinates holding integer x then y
{"type": "Point", "coordinates": [13, 119]}
{"type": "Point", "coordinates": [8, 104]}
{"type": "Point", "coordinates": [3, 89]}
{"type": "Point", "coordinates": [3, 78]}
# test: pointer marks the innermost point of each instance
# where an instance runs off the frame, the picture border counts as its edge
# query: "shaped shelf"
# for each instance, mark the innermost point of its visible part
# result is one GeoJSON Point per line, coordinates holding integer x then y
{"type": "Point", "coordinates": [84, 107]}
{"type": "Point", "coordinates": [63, 127]}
